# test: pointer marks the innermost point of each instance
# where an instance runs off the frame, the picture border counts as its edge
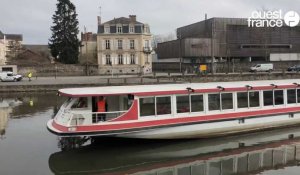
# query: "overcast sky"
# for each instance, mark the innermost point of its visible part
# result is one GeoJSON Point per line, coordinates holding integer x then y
{"type": "Point", "coordinates": [32, 18]}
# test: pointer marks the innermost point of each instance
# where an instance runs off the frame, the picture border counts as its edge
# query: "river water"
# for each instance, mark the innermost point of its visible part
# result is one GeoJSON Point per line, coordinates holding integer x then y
{"type": "Point", "coordinates": [27, 148]}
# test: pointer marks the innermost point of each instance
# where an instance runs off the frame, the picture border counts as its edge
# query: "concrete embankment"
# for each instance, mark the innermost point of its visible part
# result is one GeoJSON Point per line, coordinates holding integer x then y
{"type": "Point", "coordinates": [53, 84]}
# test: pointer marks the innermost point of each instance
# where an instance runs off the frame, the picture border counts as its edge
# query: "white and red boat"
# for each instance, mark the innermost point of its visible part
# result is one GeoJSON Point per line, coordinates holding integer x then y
{"type": "Point", "coordinates": [171, 111]}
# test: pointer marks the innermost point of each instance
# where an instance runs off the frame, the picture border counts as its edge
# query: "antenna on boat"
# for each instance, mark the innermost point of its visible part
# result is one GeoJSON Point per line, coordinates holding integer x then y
{"type": "Point", "coordinates": [274, 86]}
{"type": "Point", "coordinates": [296, 84]}
{"type": "Point", "coordinates": [221, 88]}
{"type": "Point", "coordinates": [249, 87]}
{"type": "Point", "coordinates": [190, 89]}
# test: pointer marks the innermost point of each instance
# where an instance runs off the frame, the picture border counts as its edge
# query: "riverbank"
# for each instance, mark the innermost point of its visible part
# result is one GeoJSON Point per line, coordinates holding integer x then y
{"type": "Point", "coordinates": [41, 84]}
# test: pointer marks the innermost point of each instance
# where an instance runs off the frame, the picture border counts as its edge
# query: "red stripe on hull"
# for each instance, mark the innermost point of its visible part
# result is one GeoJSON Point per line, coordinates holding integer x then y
{"type": "Point", "coordinates": [181, 120]}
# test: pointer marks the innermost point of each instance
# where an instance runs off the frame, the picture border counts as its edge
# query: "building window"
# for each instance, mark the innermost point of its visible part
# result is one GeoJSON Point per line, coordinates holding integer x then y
{"type": "Point", "coordinates": [131, 29]}
{"type": "Point", "coordinates": [197, 103]}
{"type": "Point", "coordinates": [120, 59]}
{"type": "Point", "coordinates": [147, 43]}
{"type": "Point", "coordinates": [163, 105]}
{"type": "Point", "coordinates": [108, 60]}
{"type": "Point", "coordinates": [119, 29]}
{"type": "Point", "coordinates": [183, 104]}
{"type": "Point", "coordinates": [131, 44]}
{"type": "Point", "coordinates": [147, 106]}
{"type": "Point", "coordinates": [107, 44]}
{"type": "Point", "coordinates": [132, 59]}
{"type": "Point", "coordinates": [146, 29]}
{"type": "Point", "coordinates": [291, 96]}
{"type": "Point", "coordinates": [107, 29]}
{"type": "Point", "coordinates": [120, 44]}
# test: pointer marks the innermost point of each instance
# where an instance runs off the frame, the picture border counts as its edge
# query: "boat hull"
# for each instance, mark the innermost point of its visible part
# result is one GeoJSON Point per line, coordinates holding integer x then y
{"type": "Point", "coordinates": [194, 130]}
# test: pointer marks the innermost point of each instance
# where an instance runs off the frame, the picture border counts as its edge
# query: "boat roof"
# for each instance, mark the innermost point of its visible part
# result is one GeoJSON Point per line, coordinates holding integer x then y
{"type": "Point", "coordinates": [164, 89]}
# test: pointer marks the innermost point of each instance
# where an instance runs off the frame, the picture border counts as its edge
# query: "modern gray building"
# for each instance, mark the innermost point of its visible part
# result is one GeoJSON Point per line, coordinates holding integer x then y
{"type": "Point", "coordinates": [225, 39]}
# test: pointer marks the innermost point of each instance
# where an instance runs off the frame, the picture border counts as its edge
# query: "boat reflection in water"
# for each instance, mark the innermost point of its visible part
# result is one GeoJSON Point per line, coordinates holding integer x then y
{"type": "Point", "coordinates": [243, 154]}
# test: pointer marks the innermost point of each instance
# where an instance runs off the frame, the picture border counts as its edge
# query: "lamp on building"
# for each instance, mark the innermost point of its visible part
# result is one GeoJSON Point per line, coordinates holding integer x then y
{"type": "Point", "coordinates": [221, 88]}
{"type": "Point", "coordinates": [189, 89]}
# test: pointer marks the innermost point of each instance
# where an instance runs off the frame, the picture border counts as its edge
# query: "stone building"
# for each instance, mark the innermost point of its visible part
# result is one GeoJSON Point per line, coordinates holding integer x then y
{"type": "Point", "coordinates": [2, 49]}
{"type": "Point", "coordinates": [124, 46]}
{"type": "Point", "coordinates": [88, 49]}
{"type": "Point", "coordinates": [10, 46]}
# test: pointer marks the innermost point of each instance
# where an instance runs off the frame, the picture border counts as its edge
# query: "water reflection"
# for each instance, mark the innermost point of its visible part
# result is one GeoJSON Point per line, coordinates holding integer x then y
{"type": "Point", "coordinates": [20, 105]}
{"type": "Point", "coordinates": [6, 106]}
{"type": "Point", "coordinates": [246, 154]}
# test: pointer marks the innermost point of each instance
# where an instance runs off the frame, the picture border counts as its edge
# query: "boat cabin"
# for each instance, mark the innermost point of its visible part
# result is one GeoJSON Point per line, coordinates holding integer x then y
{"type": "Point", "coordinates": [147, 106]}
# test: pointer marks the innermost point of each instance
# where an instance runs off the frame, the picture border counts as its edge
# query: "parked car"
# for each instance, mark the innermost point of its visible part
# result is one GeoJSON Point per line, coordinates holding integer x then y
{"type": "Point", "coordinates": [262, 68]}
{"type": "Point", "coordinates": [294, 68]}
{"type": "Point", "coordinates": [9, 76]}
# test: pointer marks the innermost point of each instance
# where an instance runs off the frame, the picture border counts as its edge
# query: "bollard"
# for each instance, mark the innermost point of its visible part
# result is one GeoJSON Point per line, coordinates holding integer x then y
{"type": "Point", "coordinates": [108, 81]}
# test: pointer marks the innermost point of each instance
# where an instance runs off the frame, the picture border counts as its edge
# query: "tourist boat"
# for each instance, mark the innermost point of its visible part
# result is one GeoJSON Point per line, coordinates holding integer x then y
{"type": "Point", "coordinates": [175, 111]}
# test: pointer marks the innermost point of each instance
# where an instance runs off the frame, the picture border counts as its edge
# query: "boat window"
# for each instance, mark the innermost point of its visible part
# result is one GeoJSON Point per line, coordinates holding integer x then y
{"type": "Point", "coordinates": [227, 101]}
{"type": "Point", "coordinates": [268, 98]}
{"type": "Point", "coordinates": [291, 96]}
{"type": "Point", "coordinates": [214, 102]}
{"type": "Point", "coordinates": [197, 103]}
{"type": "Point", "coordinates": [254, 99]}
{"type": "Point", "coordinates": [278, 97]}
{"type": "Point", "coordinates": [80, 103]}
{"type": "Point", "coordinates": [147, 106]}
{"type": "Point", "coordinates": [242, 99]}
{"type": "Point", "coordinates": [67, 102]}
{"type": "Point", "coordinates": [298, 95]}
{"type": "Point", "coordinates": [163, 105]}
{"type": "Point", "coordinates": [183, 104]}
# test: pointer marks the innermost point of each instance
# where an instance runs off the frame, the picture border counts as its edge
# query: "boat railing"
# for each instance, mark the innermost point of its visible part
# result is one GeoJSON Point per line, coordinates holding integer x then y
{"type": "Point", "coordinates": [78, 118]}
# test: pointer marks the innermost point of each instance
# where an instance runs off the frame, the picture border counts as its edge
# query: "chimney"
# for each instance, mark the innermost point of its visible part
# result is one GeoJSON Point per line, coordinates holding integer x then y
{"type": "Point", "coordinates": [99, 20]}
{"type": "Point", "coordinates": [132, 18]}
{"type": "Point", "coordinates": [205, 16]}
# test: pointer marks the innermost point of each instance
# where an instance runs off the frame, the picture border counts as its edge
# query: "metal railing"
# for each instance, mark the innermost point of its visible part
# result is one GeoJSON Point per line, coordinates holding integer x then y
{"type": "Point", "coordinates": [77, 119]}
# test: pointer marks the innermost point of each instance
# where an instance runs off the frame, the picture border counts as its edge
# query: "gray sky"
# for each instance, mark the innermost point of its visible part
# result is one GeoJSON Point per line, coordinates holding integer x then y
{"type": "Point", "coordinates": [33, 18]}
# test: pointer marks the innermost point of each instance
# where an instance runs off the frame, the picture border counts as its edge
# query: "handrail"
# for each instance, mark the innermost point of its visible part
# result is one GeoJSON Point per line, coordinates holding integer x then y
{"type": "Point", "coordinates": [95, 116]}
{"type": "Point", "coordinates": [110, 112]}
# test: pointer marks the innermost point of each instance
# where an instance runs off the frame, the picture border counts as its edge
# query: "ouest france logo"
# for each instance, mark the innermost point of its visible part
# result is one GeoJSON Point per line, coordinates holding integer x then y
{"type": "Point", "coordinates": [273, 18]}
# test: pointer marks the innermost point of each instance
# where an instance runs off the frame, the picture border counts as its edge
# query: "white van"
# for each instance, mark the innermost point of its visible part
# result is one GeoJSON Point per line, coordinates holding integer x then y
{"type": "Point", "coordinates": [262, 68]}
{"type": "Point", "coordinates": [10, 76]}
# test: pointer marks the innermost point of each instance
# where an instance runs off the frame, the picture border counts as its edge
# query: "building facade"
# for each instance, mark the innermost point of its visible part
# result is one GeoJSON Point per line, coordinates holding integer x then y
{"type": "Point", "coordinates": [88, 49]}
{"type": "Point", "coordinates": [10, 46]}
{"type": "Point", "coordinates": [2, 49]}
{"type": "Point", "coordinates": [124, 46]}
{"type": "Point", "coordinates": [227, 39]}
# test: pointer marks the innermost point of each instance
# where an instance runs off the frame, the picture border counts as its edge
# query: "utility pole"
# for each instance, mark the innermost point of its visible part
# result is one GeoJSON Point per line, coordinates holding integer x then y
{"type": "Point", "coordinates": [212, 45]}
{"type": "Point", "coordinates": [86, 51]}
{"type": "Point", "coordinates": [180, 52]}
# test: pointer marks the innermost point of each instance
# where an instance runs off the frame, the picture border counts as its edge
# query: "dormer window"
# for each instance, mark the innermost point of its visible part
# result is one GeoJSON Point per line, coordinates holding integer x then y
{"type": "Point", "coordinates": [147, 29]}
{"type": "Point", "coordinates": [131, 29]}
{"type": "Point", "coordinates": [106, 29]}
{"type": "Point", "coordinates": [119, 29]}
